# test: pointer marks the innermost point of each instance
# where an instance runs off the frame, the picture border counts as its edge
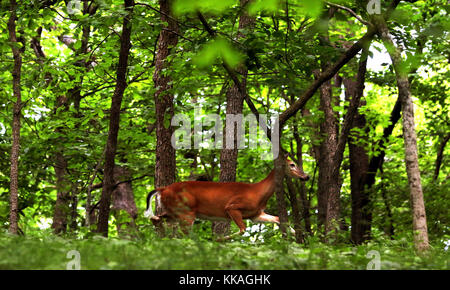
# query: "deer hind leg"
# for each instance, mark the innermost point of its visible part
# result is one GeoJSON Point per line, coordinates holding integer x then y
{"type": "Point", "coordinates": [236, 216]}
{"type": "Point", "coordinates": [267, 218]}
{"type": "Point", "coordinates": [186, 220]}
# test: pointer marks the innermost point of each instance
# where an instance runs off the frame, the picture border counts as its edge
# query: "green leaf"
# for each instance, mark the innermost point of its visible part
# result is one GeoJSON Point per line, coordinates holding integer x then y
{"type": "Point", "coordinates": [77, 45]}
{"type": "Point", "coordinates": [312, 8]}
{"type": "Point", "coordinates": [217, 48]}
{"type": "Point", "coordinates": [189, 6]}
{"type": "Point", "coordinates": [263, 5]}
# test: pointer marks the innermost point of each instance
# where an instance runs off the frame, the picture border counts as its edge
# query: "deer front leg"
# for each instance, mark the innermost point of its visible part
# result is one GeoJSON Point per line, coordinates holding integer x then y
{"type": "Point", "coordinates": [236, 216]}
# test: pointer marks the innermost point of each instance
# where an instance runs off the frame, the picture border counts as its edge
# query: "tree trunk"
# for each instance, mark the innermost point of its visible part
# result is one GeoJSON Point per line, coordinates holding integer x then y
{"type": "Point", "coordinates": [410, 138]}
{"type": "Point", "coordinates": [165, 162]}
{"type": "Point", "coordinates": [90, 213]}
{"type": "Point", "coordinates": [235, 100]}
{"type": "Point", "coordinates": [295, 210]}
{"type": "Point", "coordinates": [329, 130]}
{"type": "Point", "coordinates": [111, 144]}
{"type": "Point", "coordinates": [123, 204]}
{"type": "Point", "coordinates": [61, 210]}
{"type": "Point", "coordinates": [327, 150]}
{"type": "Point", "coordinates": [332, 149]}
{"type": "Point", "coordinates": [280, 164]}
{"type": "Point", "coordinates": [165, 153]}
{"type": "Point", "coordinates": [359, 164]}
{"type": "Point", "coordinates": [302, 199]}
{"type": "Point", "coordinates": [15, 148]}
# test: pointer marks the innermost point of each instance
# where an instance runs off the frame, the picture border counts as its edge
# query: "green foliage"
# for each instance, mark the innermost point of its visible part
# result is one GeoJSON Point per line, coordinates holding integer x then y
{"type": "Point", "coordinates": [96, 253]}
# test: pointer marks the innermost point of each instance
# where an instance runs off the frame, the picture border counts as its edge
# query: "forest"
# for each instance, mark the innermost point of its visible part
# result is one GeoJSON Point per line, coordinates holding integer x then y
{"type": "Point", "coordinates": [317, 130]}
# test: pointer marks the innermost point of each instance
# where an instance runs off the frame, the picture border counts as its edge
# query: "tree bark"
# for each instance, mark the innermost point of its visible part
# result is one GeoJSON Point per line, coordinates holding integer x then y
{"type": "Point", "coordinates": [359, 164]}
{"type": "Point", "coordinates": [410, 138]}
{"type": "Point", "coordinates": [303, 200]}
{"type": "Point", "coordinates": [123, 200]}
{"type": "Point", "coordinates": [327, 149]}
{"type": "Point", "coordinates": [165, 153]}
{"type": "Point", "coordinates": [111, 144]}
{"type": "Point", "coordinates": [15, 148]}
{"type": "Point", "coordinates": [61, 209]}
{"type": "Point", "coordinates": [292, 194]}
{"type": "Point", "coordinates": [329, 129]}
{"type": "Point", "coordinates": [280, 164]}
{"type": "Point", "coordinates": [332, 149]}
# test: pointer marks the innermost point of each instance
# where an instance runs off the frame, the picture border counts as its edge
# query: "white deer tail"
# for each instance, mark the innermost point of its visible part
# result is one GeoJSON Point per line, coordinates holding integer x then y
{"type": "Point", "coordinates": [149, 211]}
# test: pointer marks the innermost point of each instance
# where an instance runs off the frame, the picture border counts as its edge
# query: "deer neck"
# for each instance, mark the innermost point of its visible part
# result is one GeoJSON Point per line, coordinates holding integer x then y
{"type": "Point", "coordinates": [266, 187]}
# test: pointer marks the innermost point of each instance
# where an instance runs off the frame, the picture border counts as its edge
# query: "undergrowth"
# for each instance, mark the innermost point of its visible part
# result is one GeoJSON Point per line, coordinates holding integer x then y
{"type": "Point", "coordinates": [43, 250]}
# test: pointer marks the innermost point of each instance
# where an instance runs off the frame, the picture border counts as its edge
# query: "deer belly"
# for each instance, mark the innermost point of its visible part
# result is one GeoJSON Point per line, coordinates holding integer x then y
{"type": "Point", "coordinates": [212, 218]}
{"type": "Point", "coordinates": [250, 214]}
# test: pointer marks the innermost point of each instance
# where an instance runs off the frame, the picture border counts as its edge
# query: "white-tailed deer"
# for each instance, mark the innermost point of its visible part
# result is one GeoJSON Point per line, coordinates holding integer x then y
{"type": "Point", "coordinates": [185, 201]}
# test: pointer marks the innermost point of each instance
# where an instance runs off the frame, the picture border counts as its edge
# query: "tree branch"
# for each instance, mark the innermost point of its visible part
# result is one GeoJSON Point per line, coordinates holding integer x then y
{"type": "Point", "coordinates": [349, 11]}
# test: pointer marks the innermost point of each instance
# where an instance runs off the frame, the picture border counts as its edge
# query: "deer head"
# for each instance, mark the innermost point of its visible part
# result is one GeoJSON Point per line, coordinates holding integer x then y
{"type": "Point", "coordinates": [294, 171]}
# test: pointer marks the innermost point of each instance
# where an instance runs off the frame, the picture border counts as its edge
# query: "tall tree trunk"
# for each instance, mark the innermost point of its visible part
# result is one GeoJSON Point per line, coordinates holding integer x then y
{"type": "Point", "coordinates": [165, 153]}
{"type": "Point", "coordinates": [329, 130]}
{"type": "Point", "coordinates": [361, 217]}
{"type": "Point", "coordinates": [302, 199]}
{"type": "Point", "coordinates": [327, 150]}
{"type": "Point", "coordinates": [359, 164]}
{"type": "Point", "coordinates": [343, 137]}
{"type": "Point", "coordinates": [114, 120]}
{"type": "Point", "coordinates": [410, 138]}
{"type": "Point", "coordinates": [15, 148]}
{"type": "Point", "coordinates": [235, 100]}
{"type": "Point", "coordinates": [332, 149]}
{"type": "Point", "coordinates": [165, 162]}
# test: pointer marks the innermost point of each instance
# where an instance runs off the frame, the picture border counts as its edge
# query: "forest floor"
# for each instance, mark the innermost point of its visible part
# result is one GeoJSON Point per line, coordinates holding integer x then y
{"type": "Point", "coordinates": [46, 251]}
